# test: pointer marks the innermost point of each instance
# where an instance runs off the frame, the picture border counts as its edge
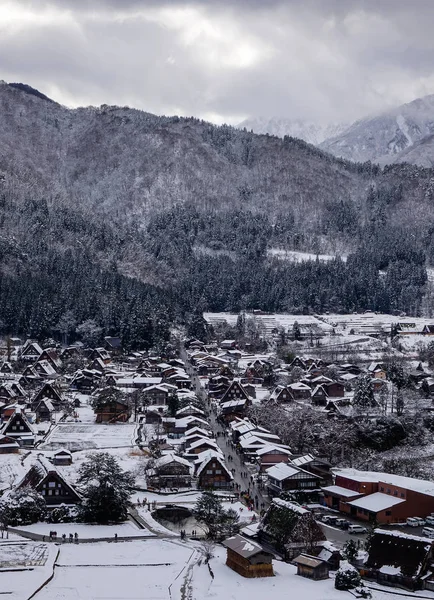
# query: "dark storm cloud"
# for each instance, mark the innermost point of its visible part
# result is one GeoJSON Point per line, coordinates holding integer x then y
{"type": "Point", "coordinates": [221, 59]}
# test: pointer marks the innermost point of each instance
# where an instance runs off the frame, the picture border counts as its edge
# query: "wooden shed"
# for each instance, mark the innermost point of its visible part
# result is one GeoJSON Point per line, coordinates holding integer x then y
{"type": "Point", "coordinates": [311, 567]}
{"type": "Point", "coordinates": [248, 558]}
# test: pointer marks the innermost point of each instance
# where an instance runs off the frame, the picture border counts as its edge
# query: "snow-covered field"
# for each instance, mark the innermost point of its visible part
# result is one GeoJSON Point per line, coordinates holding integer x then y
{"type": "Point", "coordinates": [83, 436]}
{"type": "Point", "coordinates": [168, 569]}
{"type": "Point", "coordinates": [37, 559]}
{"type": "Point", "coordinates": [151, 570]}
{"type": "Point", "coordinates": [14, 555]}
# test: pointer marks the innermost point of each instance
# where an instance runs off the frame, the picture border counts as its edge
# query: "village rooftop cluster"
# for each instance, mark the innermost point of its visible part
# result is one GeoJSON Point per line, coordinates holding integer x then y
{"type": "Point", "coordinates": [183, 422]}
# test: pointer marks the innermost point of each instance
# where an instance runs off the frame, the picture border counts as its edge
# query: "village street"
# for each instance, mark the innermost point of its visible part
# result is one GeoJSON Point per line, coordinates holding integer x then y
{"type": "Point", "coordinates": [242, 473]}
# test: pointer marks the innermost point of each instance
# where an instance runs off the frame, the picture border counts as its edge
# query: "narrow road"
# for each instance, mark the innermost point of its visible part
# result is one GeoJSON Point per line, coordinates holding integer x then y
{"type": "Point", "coordinates": [234, 460]}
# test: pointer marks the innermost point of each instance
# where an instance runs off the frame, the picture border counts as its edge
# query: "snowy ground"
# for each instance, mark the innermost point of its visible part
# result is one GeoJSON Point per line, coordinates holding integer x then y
{"type": "Point", "coordinates": [14, 555]}
{"type": "Point", "coordinates": [86, 531]}
{"type": "Point", "coordinates": [295, 256]}
{"type": "Point", "coordinates": [167, 569]}
{"type": "Point", "coordinates": [83, 436]}
{"type": "Point", "coordinates": [285, 584]}
{"type": "Point", "coordinates": [122, 571]}
{"type": "Point", "coordinates": [37, 560]}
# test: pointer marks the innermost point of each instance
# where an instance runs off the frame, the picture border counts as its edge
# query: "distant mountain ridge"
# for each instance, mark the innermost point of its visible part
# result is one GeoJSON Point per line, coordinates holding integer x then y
{"type": "Point", "coordinates": [386, 138]}
{"type": "Point", "coordinates": [398, 135]}
{"type": "Point", "coordinates": [309, 131]}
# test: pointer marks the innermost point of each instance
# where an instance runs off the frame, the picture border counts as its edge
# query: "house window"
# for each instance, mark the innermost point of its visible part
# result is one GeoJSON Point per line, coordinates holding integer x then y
{"type": "Point", "coordinates": [402, 495]}
{"type": "Point", "coordinates": [209, 471]}
{"type": "Point", "coordinates": [388, 490]}
{"type": "Point", "coordinates": [50, 492]}
{"type": "Point", "coordinates": [218, 472]}
{"type": "Point", "coordinates": [56, 492]}
{"type": "Point", "coordinates": [395, 493]}
{"type": "Point", "coordinates": [388, 513]}
{"type": "Point", "coordinates": [51, 484]}
{"type": "Point", "coordinates": [382, 489]}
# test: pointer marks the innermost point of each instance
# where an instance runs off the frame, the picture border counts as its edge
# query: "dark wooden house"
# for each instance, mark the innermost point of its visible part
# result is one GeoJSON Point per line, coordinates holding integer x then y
{"type": "Point", "coordinates": [45, 479]}
{"type": "Point", "coordinates": [311, 567]}
{"type": "Point", "coordinates": [62, 458]}
{"type": "Point", "coordinates": [247, 558]}
{"type": "Point", "coordinates": [50, 391]}
{"type": "Point", "coordinates": [287, 477]}
{"type": "Point", "coordinates": [211, 472]}
{"type": "Point", "coordinates": [399, 559]}
{"type": "Point", "coordinates": [170, 471]}
{"type": "Point", "coordinates": [113, 412]}
{"type": "Point", "coordinates": [235, 391]}
{"type": "Point", "coordinates": [18, 428]}
{"type": "Point", "coordinates": [43, 409]}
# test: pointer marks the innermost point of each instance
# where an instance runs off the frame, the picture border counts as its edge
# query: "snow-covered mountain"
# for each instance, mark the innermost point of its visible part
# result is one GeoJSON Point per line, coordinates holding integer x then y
{"type": "Point", "coordinates": [389, 137]}
{"type": "Point", "coordinates": [309, 131]}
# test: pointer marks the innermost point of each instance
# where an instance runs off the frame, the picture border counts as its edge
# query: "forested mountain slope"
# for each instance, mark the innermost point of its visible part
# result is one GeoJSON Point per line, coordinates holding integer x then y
{"type": "Point", "coordinates": [112, 213]}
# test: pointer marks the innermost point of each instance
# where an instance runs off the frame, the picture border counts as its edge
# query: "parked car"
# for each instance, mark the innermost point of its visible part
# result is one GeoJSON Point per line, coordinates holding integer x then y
{"type": "Point", "coordinates": [429, 520]}
{"type": "Point", "coordinates": [415, 522]}
{"type": "Point", "coordinates": [329, 520]}
{"type": "Point", "coordinates": [357, 529]}
{"type": "Point", "coordinates": [343, 523]}
{"type": "Point", "coordinates": [428, 532]}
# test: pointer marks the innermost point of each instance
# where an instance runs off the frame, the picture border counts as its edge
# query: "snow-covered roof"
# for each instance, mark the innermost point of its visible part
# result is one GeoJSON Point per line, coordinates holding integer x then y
{"type": "Point", "coordinates": [206, 457]}
{"type": "Point", "coordinates": [169, 458]}
{"type": "Point", "coordinates": [243, 547]}
{"type": "Point", "coordinates": [340, 491]}
{"type": "Point", "coordinates": [194, 431]}
{"type": "Point", "coordinates": [233, 403]}
{"type": "Point", "coordinates": [303, 460]}
{"type": "Point", "coordinates": [189, 408]}
{"type": "Point", "coordinates": [185, 421]}
{"type": "Point", "coordinates": [406, 536]}
{"type": "Point", "coordinates": [389, 570]}
{"type": "Point", "coordinates": [261, 434]}
{"type": "Point", "coordinates": [203, 441]}
{"type": "Point", "coordinates": [421, 486]}
{"type": "Point", "coordinates": [273, 449]}
{"type": "Point", "coordinates": [290, 505]}
{"type": "Point", "coordinates": [376, 502]}
{"type": "Point", "coordinates": [282, 471]}
{"type": "Point", "coordinates": [298, 386]}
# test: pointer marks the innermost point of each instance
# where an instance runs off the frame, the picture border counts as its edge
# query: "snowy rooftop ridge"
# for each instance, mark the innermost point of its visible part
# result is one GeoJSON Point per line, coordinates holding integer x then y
{"type": "Point", "coordinates": [407, 536]}
{"type": "Point", "coordinates": [290, 505]}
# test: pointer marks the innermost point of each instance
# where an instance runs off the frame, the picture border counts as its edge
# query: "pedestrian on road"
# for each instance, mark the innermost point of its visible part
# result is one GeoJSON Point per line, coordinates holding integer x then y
{"type": "Point", "coordinates": [71, 537]}
{"type": "Point", "coordinates": [116, 537]}
{"type": "Point", "coordinates": [64, 537]}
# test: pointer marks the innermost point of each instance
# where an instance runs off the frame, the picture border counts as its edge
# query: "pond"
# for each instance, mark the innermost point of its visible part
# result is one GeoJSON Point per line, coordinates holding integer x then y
{"type": "Point", "coordinates": [177, 518]}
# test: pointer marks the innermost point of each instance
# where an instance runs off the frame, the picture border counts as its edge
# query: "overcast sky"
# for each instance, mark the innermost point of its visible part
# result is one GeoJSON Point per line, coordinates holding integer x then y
{"type": "Point", "coordinates": [329, 60]}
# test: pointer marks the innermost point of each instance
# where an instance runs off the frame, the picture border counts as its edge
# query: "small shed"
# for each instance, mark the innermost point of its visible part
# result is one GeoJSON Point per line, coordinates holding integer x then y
{"type": "Point", "coordinates": [311, 567]}
{"type": "Point", "coordinates": [247, 558]}
{"type": "Point", "coordinates": [62, 457]}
